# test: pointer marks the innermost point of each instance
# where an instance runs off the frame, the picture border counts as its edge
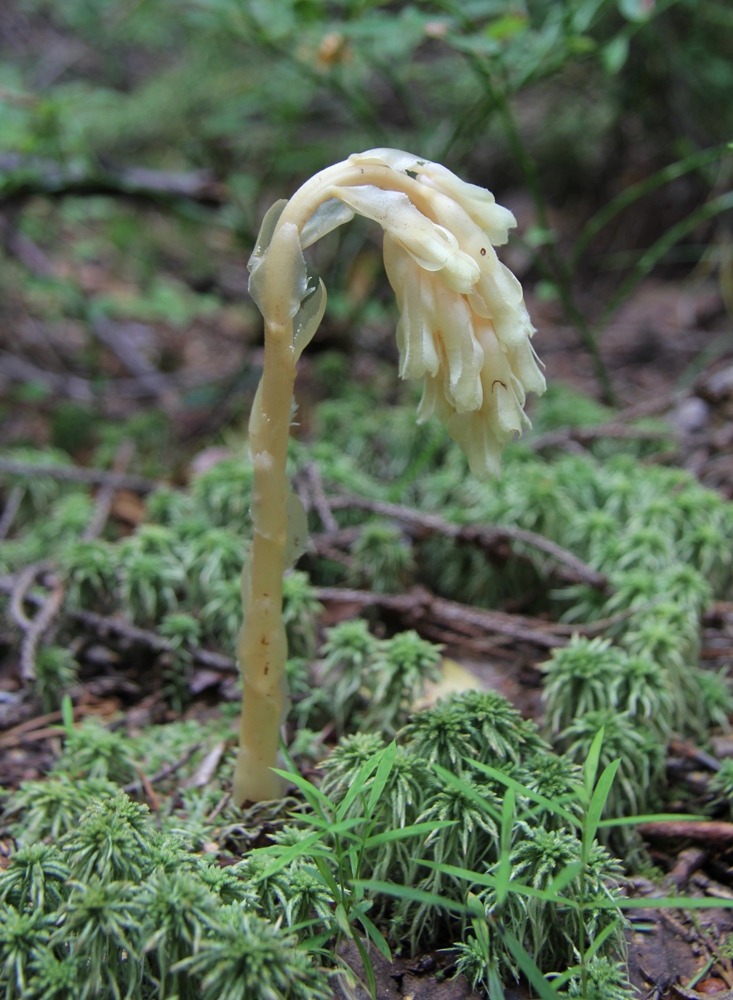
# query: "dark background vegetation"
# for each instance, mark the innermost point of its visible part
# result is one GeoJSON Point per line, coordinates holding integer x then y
{"type": "Point", "coordinates": [142, 141]}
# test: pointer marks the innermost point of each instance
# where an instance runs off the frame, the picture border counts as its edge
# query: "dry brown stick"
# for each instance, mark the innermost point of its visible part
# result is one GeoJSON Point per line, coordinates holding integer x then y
{"type": "Point", "coordinates": [33, 628]}
{"type": "Point", "coordinates": [106, 495]}
{"type": "Point", "coordinates": [77, 474]}
{"type": "Point", "coordinates": [320, 500]}
{"type": "Point", "coordinates": [414, 600]}
{"type": "Point", "coordinates": [61, 384]}
{"type": "Point", "coordinates": [18, 588]}
{"type": "Point", "coordinates": [587, 435]}
{"type": "Point", "coordinates": [701, 831]}
{"type": "Point", "coordinates": [682, 748]}
{"type": "Point", "coordinates": [85, 391]}
{"type": "Point", "coordinates": [26, 176]}
{"type": "Point", "coordinates": [419, 603]}
{"type": "Point", "coordinates": [688, 862]}
{"type": "Point", "coordinates": [488, 537]}
{"type": "Point", "coordinates": [104, 625]}
{"type": "Point", "coordinates": [329, 551]}
{"type": "Point", "coordinates": [167, 770]}
{"type": "Point", "coordinates": [218, 807]}
{"type": "Point", "coordinates": [11, 508]}
{"type": "Point", "coordinates": [652, 407]}
{"type": "Point", "coordinates": [27, 729]}
{"type": "Point", "coordinates": [107, 625]}
{"type": "Point", "coordinates": [41, 623]}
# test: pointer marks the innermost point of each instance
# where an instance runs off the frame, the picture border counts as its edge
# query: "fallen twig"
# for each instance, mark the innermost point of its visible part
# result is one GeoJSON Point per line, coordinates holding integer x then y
{"type": "Point", "coordinates": [684, 749]}
{"type": "Point", "coordinates": [41, 724]}
{"type": "Point", "coordinates": [11, 508]}
{"type": "Point", "coordinates": [490, 537]}
{"type": "Point", "coordinates": [701, 831]}
{"type": "Point", "coordinates": [104, 625]}
{"type": "Point", "coordinates": [33, 628]}
{"type": "Point", "coordinates": [78, 474]}
{"type": "Point", "coordinates": [207, 768]}
{"type": "Point", "coordinates": [318, 495]}
{"type": "Point", "coordinates": [419, 603]}
{"type": "Point", "coordinates": [24, 177]}
{"type": "Point", "coordinates": [168, 770]}
{"type": "Point", "coordinates": [106, 495]}
{"type": "Point", "coordinates": [587, 435]}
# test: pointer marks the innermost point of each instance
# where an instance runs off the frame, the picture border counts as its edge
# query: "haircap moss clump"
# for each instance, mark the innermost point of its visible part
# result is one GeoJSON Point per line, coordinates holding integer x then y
{"type": "Point", "coordinates": [439, 776]}
{"type": "Point", "coordinates": [549, 934]}
{"type": "Point", "coordinates": [373, 683]}
{"type": "Point", "coordinates": [474, 725]}
{"type": "Point", "coordinates": [119, 909]}
{"type": "Point", "coordinates": [591, 675]}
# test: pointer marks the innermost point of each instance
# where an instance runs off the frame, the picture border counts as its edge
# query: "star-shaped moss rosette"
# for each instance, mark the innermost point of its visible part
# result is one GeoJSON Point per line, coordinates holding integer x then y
{"type": "Point", "coordinates": [463, 329]}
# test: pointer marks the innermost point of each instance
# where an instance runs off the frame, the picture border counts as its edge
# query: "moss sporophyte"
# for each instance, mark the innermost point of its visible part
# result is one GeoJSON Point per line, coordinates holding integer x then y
{"type": "Point", "coordinates": [463, 329]}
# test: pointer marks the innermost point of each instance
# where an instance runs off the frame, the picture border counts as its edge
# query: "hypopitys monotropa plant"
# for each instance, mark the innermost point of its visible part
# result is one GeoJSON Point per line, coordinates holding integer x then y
{"type": "Point", "coordinates": [463, 329]}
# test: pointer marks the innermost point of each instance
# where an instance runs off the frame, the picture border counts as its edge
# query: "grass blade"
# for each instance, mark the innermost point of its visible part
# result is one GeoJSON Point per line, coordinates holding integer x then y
{"type": "Point", "coordinates": [651, 818]}
{"type": "Point", "coordinates": [597, 805]}
{"type": "Point", "coordinates": [528, 967]}
{"type": "Point", "coordinates": [600, 940]}
{"type": "Point", "coordinates": [664, 903]}
{"type": "Point", "coordinates": [375, 935]}
{"type": "Point", "coordinates": [591, 765]}
{"type": "Point", "coordinates": [413, 895]}
{"type": "Point", "coordinates": [367, 963]}
{"type": "Point", "coordinates": [657, 250]}
{"type": "Point", "coordinates": [504, 869]}
{"type": "Point", "coordinates": [358, 783]}
{"type": "Point", "coordinates": [481, 878]}
{"type": "Point", "coordinates": [316, 798]}
{"type": "Point", "coordinates": [636, 191]}
{"type": "Point", "coordinates": [294, 851]}
{"type": "Point", "coordinates": [471, 793]}
{"type": "Point", "coordinates": [380, 778]}
{"type": "Point", "coordinates": [563, 878]}
{"type": "Point", "coordinates": [527, 793]}
{"type": "Point", "coordinates": [408, 831]}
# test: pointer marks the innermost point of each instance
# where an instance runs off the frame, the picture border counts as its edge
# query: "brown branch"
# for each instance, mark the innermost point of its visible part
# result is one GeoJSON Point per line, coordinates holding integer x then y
{"type": "Point", "coordinates": [18, 590]}
{"type": "Point", "coordinates": [84, 391]}
{"type": "Point", "coordinates": [24, 177]}
{"type": "Point", "coordinates": [585, 436]}
{"type": "Point", "coordinates": [40, 624]}
{"type": "Point", "coordinates": [167, 770]}
{"type": "Point", "coordinates": [67, 385]}
{"type": "Point", "coordinates": [702, 831]}
{"type": "Point", "coordinates": [77, 474]}
{"type": "Point", "coordinates": [11, 508]}
{"type": "Point", "coordinates": [106, 625]}
{"type": "Point", "coordinates": [320, 500]}
{"type": "Point", "coordinates": [33, 628]}
{"type": "Point", "coordinates": [681, 748]}
{"type": "Point", "coordinates": [464, 618]}
{"type": "Point", "coordinates": [420, 603]}
{"type": "Point", "coordinates": [41, 723]}
{"type": "Point", "coordinates": [491, 537]}
{"type": "Point", "coordinates": [106, 495]}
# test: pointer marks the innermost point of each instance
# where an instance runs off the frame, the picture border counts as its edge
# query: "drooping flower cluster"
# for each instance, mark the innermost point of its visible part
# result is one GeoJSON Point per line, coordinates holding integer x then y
{"type": "Point", "coordinates": [463, 324]}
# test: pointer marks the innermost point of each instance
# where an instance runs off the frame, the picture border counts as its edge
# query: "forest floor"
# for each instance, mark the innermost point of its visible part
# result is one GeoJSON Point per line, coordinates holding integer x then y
{"type": "Point", "coordinates": [669, 355]}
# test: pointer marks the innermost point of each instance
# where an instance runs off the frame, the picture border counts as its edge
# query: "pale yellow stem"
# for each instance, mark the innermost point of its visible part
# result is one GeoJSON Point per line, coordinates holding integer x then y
{"type": "Point", "coordinates": [262, 647]}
